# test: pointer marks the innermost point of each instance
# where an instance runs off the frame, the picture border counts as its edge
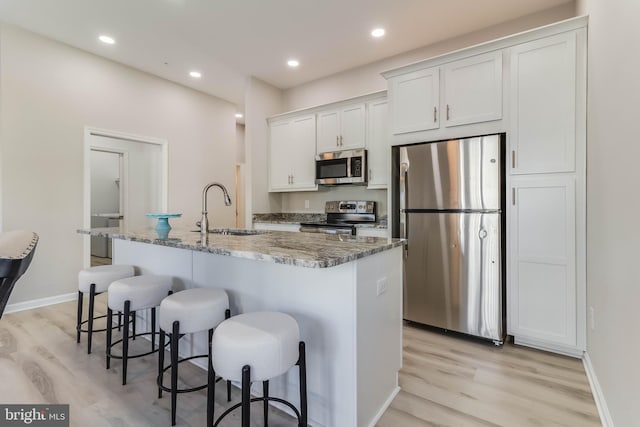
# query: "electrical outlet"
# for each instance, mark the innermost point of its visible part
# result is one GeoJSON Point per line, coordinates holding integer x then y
{"type": "Point", "coordinates": [592, 318]}
{"type": "Point", "coordinates": [381, 286]}
{"type": "Point", "coordinates": [306, 204]}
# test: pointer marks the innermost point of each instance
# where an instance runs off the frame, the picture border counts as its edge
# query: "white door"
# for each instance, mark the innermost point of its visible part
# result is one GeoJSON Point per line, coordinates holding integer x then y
{"type": "Point", "coordinates": [352, 127]}
{"type": "Point", "coordinates": [414, 101]}
{"type": "Point", "coordinates": [328, 131]}
{"type": "Point", "coordinates": [378, 145]}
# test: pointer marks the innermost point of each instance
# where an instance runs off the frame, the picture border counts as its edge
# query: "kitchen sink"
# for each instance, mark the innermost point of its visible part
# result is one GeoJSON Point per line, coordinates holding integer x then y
{"type": "Point", "coordinates": [233, 231]}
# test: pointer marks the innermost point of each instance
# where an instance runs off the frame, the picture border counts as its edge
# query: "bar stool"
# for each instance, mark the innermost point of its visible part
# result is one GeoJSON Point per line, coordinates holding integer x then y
{"type": "Point", "coordinates": [96, 280]}
{"type": "Point", "coordinates": [128, 296]}
{"type": "Point", "coordinates": [187, 312]}
{"type": "Point", "coordinates": [257, 347]}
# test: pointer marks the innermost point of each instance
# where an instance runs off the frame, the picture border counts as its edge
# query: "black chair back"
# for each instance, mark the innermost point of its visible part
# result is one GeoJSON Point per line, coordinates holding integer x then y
{"type": "Point", "coordinates": [16, 252]}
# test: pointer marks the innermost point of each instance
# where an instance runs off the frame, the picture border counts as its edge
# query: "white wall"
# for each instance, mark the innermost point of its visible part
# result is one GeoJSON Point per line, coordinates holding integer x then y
{"type": "Point", "coordinates": [367, 79]}
{"type": "Point", "coordinates": [613, 203]}
{"type": "Point", "coordinates": [294, 202]}
{"type": "Point", "coordinates": [261, 101]}
{"type": "Point", "coordinates": [50, 92]}
{"type": "Point", "coordinates": [241, 186]}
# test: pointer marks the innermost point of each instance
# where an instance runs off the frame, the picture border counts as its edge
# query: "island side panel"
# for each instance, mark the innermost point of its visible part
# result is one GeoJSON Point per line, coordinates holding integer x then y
{"type": "Point", "coordinates": [322, 300]}
{"type": "Point", "coordinates": [379, 328]}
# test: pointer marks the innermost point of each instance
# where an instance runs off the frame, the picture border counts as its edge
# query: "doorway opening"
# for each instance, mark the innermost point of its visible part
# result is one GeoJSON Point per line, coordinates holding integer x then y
{"type": "Point", "coordinates": [125, 178]}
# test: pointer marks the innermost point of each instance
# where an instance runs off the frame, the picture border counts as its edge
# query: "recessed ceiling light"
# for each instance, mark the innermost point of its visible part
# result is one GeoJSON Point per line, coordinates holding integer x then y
{"type": "Point", "coordinates": [378, 32]}
{"type": "Point", "coordinates": [107, 39]}
{"type": "Point", "coordinates": [195, 74]}
{"type": "Point", "coordinates": [293, 63]}
{"type": "Point", "coordinates": [238, 116]}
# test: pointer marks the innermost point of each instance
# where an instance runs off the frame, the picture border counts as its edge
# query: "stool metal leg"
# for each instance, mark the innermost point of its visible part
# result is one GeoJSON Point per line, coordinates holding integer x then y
{"type": "Point", "coordinates": [119, 321]}
{"type": "Point", "coordinates": [125, 340]}
{"type": "Point", "coordinates": [79, 322]}
{"type": "Point", "coordinates": [92, 296]}
{"type": "Point", "coordinates": [160, 362]}
{"type": "Point", "coordinates": [265, 403]}
{"type": "Point", "coordinates": [109, 335]}
{"type": "Point", "coordinates": [175, 335]}
{"type": "Point", "coordinates": [227, 314]}
{"type": "Point", "coordinates": [211, 383]}
{"type": "Point", "coordinates": [153, 328]}
{"type": "Point", "coordinates": [133, 315]}
{"type": "Point", "coordinates": [246, 395]}
{"type": "Point", "coordinates": [303, 384]}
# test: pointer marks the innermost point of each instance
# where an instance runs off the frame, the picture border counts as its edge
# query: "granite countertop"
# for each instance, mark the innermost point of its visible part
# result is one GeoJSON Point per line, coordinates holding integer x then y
{"type": "Point", "coordinates": [312, 250]}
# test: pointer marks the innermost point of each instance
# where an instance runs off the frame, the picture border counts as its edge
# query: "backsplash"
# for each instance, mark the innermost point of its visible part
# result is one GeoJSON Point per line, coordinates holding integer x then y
{"type": "Point", "coordinates": [295, 201]}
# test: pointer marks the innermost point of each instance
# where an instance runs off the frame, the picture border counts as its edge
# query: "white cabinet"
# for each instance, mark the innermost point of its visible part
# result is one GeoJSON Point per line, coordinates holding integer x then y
{"type": "Point", "coordinates": [378, 146]}
{"type": "Point", "coordinates": [276, 226]}
{"type": "Point", "coordinates": [458, 93]}
{"type": "Point", "coordinates": [372, 232]}
{"type": "Point", "coordinates": [473, 89]}
{"type": "Point", "coordinates": [542, 259]}
{"type": "Point", "coordinates": [341, 129]}
{"type": "Point", "coordinates": [292, 146]}
{"type": "Point", "coordinates": [543, 105]}
{"type": "Point", "coordinates": [415, 98]}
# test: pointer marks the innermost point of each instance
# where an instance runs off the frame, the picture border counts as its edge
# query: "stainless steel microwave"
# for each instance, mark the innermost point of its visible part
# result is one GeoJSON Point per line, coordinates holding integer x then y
{"type": "Point", "coordinates": [342, 167]}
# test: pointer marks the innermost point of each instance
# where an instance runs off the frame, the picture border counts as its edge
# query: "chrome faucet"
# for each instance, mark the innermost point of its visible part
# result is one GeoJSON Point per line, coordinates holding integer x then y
{"type": "Point", "coordinates": [204, 222]}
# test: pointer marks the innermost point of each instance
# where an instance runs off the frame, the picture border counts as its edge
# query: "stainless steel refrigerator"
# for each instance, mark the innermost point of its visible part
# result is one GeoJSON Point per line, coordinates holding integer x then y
{"type": "Point", "coordinates": [449, 196]}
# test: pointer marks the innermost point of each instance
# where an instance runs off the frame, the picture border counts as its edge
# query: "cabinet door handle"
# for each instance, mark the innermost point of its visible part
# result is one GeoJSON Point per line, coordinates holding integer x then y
{"type": "Point", "coordinates": [513, 159]}
{"type": "Point", "coordinates": [513, 196]}
{"type": "Point", "coordinates": [447, 111]}
{"type": "Point", "coordinates": [370, 174]}
{"type": "Point", "coordinates": [292, 179]}
{"type": "Point", "coordinates": [435, 114]}
{"type": "Point", "coordinates": [337, 141]}
{"type": "Point", "coordinates": [340, 140]}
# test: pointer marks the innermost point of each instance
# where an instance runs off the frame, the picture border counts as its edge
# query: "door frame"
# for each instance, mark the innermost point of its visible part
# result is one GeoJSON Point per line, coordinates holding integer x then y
{"type": "Point", "coordinates": [89, 145]}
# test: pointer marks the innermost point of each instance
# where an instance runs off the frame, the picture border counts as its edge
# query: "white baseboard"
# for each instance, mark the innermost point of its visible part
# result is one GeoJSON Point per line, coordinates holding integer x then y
{"type": "Point", "coordinates": [40, 302]}
{"type": "Point", "coordinates": [384, 407]}
{"type": "Point", "coordinates": [598, 395]}
{"type": "Point", "coordinates": [554, 348]}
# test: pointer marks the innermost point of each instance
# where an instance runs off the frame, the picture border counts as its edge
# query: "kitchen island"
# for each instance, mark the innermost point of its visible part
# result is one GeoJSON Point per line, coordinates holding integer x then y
{"type": "Point", "coordinates": [345, 293]}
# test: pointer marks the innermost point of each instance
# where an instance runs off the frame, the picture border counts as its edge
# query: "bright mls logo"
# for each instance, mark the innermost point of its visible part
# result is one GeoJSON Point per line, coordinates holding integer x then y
{"type": "Point", "coordinates": [34, 415]}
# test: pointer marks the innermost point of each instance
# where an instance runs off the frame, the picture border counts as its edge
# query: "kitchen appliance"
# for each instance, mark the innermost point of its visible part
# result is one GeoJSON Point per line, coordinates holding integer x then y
{"type": "Point", "coordinates": [342, 167]}
{"type": "Point", "coordinates": [343, 216]}
{"type": "Point", "coordinates": [449, 196]}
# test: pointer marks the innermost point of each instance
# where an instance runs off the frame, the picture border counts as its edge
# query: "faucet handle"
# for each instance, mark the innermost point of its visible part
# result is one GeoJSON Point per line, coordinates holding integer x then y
{"type": "Point", "coordinates": [198, 223]}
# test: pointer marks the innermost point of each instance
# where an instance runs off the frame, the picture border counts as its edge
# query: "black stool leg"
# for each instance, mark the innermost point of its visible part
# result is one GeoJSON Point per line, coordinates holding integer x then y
{"type": "Point", "coordinates": [175, 334]}
{"type": "Point", "coordinates": [119, 321]}
{"type": "Point", "coordinates": [227, 314]}
{"type": "Point", "coordinates": [109, 334]}
{"type": "Point", "coordinates": [303, 384]}
{"type": "Point", "coordinates": [153, 329]}
{"type": "Point", "coordinates": [160, 362]}
{"type": "Point", "coordinates": [125, 340]}
{"type": "Point", "coordinates": [133, 315]}
{"type": "Point", "coordinates": [211, 383]}
{"type": "Point", "coordinates": [265, 395]}
{"type": "Point", "coordinates": [246, 395]}
{"type": "Point", "coordinates": [79, 322]}
{"type": "Point", "coordinates": [92, 296]}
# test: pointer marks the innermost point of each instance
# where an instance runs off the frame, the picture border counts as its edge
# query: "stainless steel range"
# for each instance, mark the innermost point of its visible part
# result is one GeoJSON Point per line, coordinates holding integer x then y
{"type": "Point", "coordinates": [342, 217]}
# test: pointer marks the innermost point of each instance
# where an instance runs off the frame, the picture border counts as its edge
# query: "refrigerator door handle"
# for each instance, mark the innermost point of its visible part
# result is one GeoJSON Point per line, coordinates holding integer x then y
{"type": "Point", "coordinates": [404, 230]}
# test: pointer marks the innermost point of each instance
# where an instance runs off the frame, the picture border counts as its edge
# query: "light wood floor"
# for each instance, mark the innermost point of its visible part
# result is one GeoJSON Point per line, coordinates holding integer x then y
{"type": "Point", "coordinates": [446, 381]}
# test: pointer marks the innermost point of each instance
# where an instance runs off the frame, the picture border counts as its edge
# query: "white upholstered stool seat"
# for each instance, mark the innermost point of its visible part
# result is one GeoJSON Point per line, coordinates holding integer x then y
{"type": "Point", "coordinates": [128, 296]}
{"type": "Point", "coordinates": [142, 291]}
{"type": "Point", "coordinates": [197, 309]}
{"type": "Point", "coordinates": [94, 281]}
{"type": "Point", "coordinates": [187, 312]}
{"type": "Point", "coordinates": [102, 276]}
{"type": "Point", "coordinates": [257, 347]}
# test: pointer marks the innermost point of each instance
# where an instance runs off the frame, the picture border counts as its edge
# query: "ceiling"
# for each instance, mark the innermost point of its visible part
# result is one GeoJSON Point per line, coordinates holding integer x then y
{"type": "Point", "coordinates": [229, 40]}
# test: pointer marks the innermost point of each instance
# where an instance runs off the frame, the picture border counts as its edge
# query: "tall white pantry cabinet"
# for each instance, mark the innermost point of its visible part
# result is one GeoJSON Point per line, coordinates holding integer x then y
{"type": "Point", "coordinates": [539, 80]}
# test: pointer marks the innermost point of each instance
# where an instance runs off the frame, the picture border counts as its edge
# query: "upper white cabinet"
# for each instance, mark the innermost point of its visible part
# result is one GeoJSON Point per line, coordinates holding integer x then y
{"type": "Point", "coordinates": [543, 105]}
{"type": "Point", "coordinates": [378, 147]}
{"type": "Point", "coordinates": [457, 93]}
{"type": "Point", "coordinates": [473, 89]}
{"type": "Point", "coordinates": [341, 129]}
{"type": "Point", "coordinates": [415, 97]}
{"type": "Point", "coordinates": [292, 147]}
